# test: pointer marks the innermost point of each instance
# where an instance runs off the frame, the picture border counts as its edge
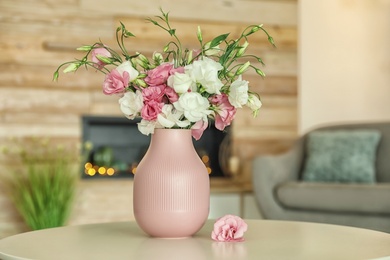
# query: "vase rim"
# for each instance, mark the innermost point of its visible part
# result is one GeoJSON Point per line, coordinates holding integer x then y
{"type": "Point", "coordinates": [171, 129]}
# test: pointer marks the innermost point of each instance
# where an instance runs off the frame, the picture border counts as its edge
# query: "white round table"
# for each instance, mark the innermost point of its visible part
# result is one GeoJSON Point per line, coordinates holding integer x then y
{"type": "Point", "coordinates": [265, 239]}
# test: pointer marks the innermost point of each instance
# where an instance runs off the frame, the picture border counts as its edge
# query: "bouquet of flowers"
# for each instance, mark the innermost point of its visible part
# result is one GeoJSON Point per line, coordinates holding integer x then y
{"type": "Point", "coordinates": [178, 87]}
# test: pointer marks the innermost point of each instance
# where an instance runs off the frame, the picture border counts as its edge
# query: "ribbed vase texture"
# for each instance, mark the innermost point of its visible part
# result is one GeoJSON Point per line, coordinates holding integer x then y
{"type": "Point", "coordinates": [171, 186]}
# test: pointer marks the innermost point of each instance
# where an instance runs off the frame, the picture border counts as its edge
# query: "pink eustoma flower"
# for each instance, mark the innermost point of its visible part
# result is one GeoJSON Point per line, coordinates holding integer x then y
{"type": "Point", "coordinates": [171, 94]}
{"type": "Point", "coordinates": [151, 109]}
{"type": "Point", "coordinates": [174, 70]}
{"type": "Point", "coordinates": [198, 128]}
{"type": "Point", "coordinates": [103, 52]}
{"type": "Point", "coordinates": [154, 93]}
{"type": "Point", "coordinates": [115, 83]}
{"type": "Point", "coordinates": [229, 228]}
{"type": "Point", "coordinates": [159, 75]}
{"type": "Point", "coordinates": [224, 112]}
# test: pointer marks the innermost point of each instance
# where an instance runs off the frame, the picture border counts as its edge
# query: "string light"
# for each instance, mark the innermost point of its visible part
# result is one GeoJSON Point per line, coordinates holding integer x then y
{"type": "Point", "coordinates": [91, 170]}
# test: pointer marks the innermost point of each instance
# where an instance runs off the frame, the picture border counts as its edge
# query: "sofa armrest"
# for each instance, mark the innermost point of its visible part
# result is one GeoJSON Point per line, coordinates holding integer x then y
{"type": "Point", "coordinates": [270, 171]}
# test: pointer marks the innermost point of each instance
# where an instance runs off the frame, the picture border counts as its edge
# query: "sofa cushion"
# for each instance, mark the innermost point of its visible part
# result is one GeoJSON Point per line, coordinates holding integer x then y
{"type": "Point", "coordinates": [337, 197]}
{"type": "Point", "coordinates": [341, 156]}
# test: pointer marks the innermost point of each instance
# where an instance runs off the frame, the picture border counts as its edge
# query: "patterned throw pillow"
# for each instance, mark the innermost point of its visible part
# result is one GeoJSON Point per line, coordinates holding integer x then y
{"type": "Point", "coordinates": [341, 156]}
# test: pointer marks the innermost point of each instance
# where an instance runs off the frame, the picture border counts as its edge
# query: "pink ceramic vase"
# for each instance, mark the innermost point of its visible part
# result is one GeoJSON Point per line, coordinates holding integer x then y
{"type": "Point", "coordinates": [171, 194]}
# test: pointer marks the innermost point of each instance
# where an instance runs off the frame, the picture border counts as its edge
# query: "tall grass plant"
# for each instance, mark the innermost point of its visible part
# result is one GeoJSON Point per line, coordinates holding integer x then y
{"type": "Point", "coordinates": [44, 185]}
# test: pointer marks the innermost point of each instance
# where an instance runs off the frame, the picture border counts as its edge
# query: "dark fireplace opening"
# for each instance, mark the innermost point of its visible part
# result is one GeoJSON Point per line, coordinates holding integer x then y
{"type": "Point", "coordinates": [115, 146]}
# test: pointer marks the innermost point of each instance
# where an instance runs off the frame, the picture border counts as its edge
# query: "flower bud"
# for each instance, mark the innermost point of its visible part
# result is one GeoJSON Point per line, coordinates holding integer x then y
{"type": "Point", "coordinates": [254, 29]}
{"type": "Point", "coordinates": [260, 72]}
{"type": "Point", "coordinates": [84, 48]}
{"type": "Point", "coordinates": [230, 74]}
{"type": "Point", "coordinates": [189, 57]}
{"type": "Point", "coordinates": [104, 59]}
{"type": "Point", "coordinates": [166, 48]}
{"type": "Point", "coordinates": [157, 58]}
{"type": "Point", "coordinates": [254, 103]}
{"type": "Point", "coordinates": [140, 82]}
{"type": "Point", "coordinates": [199, 34]}
{"type": "Point", "coordinates": [55, 75]}
{"type": "Point", "coordinates": [242, 49]}
{"type": "Point", "coordinates": [71, 67]}
{"type": "Point", "coordinates": [271, 40]}
{"type": "Point", "coordinates": [142, 64]}
{"type": "Point", "coordinates": [260, 60]}
{"type": "Point", "coordinates": [143, 58]}
{"type": "Point", "coordinates": [243, 68]}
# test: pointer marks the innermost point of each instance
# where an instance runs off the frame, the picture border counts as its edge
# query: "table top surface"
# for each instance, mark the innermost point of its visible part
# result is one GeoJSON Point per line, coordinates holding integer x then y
{"type": "Point", "coordinates": [265, 239]}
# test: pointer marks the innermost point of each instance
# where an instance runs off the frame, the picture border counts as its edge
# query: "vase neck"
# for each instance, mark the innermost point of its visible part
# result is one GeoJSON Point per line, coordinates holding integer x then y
{"type": "Point", "coordinates": [171, 137]}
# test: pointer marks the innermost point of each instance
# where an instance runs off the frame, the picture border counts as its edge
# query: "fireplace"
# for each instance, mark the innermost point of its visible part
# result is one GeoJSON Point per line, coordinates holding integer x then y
{"type": "Point", "coordinates": [116, 147]}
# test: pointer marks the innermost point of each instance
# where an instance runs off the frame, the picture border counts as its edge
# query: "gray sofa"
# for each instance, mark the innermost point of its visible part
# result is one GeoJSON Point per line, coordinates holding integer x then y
{"type": "Point", "coordinates": [281, 193]}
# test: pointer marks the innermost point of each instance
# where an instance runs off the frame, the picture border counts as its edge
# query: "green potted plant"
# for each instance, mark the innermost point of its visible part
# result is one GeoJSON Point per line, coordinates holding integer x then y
{"type": "Point", "coordinates": [43, 186]}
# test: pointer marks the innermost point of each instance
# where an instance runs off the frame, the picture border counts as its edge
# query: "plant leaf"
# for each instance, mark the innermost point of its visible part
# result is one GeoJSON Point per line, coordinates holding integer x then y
{"type": "Point", "coordinates": [217, 40]}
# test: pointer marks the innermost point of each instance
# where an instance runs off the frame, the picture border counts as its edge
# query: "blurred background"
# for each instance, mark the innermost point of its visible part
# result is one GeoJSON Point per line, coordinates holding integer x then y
{"type": "Point", "coordinates": [331, 64]}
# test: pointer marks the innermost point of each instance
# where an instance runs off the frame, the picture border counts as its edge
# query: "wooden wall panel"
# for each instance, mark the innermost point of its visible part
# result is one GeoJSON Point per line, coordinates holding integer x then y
{"type": "Point", "coordinates": [273, 12]}
{"type": "Point", "coordinates": [38, 35]}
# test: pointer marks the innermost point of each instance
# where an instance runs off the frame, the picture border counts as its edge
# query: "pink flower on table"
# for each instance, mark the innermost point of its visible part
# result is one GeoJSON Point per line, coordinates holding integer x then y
{"type": "Point", "coordinates": [159, 75]}
{"type": "Point", "coordinates": [151, 109]}
{"type": "Point", "coordinates": [115, 83]}
{"type": "Point", "coordinates": [229, 228]}
{"type": "Point", "coordinates": [224, 111]}
{"type": "Point", "coordinates": [96, 54]}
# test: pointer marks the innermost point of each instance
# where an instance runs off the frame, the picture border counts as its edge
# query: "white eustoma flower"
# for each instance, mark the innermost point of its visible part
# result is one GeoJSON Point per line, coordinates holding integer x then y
{"type": "Point", "coordinates": [238, 93]}
{"type": "Point", "coordinates": [181, 82]}
{"type": "Point", "coordinates": [193, 105]}
{"type": "Point", "coordinates": [126, 66]}
{"type": "Point", "coordinates": [205, 72]}
{"type": "Point", "coordinates": [147, 127]}
{"type": "Point", "coordinates": [170, 117]}
{"type": "Point", "coordinates": [254, 102]}
{"type": "Point", "coordinates": [131, 104]}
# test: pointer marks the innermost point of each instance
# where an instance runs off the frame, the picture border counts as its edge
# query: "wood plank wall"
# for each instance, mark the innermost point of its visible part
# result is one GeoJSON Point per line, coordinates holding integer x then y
{"type": "Point", "coordinates": [37, 35]}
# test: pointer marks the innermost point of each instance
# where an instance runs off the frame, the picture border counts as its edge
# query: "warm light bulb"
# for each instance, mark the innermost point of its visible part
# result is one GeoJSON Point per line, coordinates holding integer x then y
{"type": "Point", "coordinates": [88, 165]}
{"type": "Point", "coordinates": [205, 159]}
{"type": "Point", "coordinates": [110, 171]}
{"type": "Point", "coordinates": [102, 170]}
{"type": "Point", "coordinates": [91, 172]}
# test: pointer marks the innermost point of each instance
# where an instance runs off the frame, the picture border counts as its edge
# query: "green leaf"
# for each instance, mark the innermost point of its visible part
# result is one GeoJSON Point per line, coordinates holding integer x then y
{"type": "Point", "coordinates": [152, 21]}
{"type": "Point", "coordinates": [172, 32]}
{"type": "Point", "coordinates": [217, 40]}
{"type": "Point", "coordinates": [129, 34]}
